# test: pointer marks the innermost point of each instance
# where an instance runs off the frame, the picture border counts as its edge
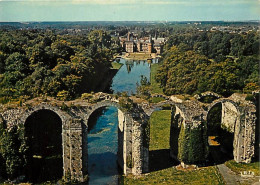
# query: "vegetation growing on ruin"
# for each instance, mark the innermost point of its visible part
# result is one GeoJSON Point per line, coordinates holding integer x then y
{"type": "Point", "coordinates": [13, 150]}
{"type": "Point", "coordinates": [160, 133]}
{"type": "Point", "coordinates": [125, 103]}
{"type": "Point", "coordinates": [192, 147]}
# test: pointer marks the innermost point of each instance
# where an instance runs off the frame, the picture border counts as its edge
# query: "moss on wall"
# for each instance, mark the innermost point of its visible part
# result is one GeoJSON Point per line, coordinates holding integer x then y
{"type": "Point", "coordinates": [129, 161]}
{"type": "Point", "coordinates": [192, 143]}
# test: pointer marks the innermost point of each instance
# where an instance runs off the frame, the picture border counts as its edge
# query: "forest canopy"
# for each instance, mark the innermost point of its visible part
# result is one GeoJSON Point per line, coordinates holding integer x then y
{"type": "Point", "coordinates": [41, 62]}
{"type": "Point", "coordinates": [210, 61]}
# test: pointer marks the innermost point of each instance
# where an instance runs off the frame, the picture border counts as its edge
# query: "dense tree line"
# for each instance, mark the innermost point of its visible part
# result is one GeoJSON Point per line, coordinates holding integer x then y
{"type": "Point", "coordinates": [36, 62]}
{"type": "Point", "coordinates": [210, 61]}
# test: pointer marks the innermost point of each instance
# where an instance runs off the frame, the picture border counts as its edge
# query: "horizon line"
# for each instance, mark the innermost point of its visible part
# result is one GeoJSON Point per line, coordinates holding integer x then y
{"type": "Point", "coordinates": [167, 21]}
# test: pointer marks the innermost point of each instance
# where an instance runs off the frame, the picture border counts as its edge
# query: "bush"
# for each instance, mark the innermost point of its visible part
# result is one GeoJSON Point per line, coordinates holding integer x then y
{"type": "Point", "coordinates": [86, 96]}
{"type": "Point", "coordinates": [63, 95]}
{"type": "Point", "coordinates": [126, 104]}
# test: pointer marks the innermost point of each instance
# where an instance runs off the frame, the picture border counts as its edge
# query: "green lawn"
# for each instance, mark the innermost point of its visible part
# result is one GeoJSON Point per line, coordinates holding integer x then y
{"type": "Point", "coordinates": [160, 130]}
{"type": "Point", "coordinates": [240, 167]}
{"type": "Point", "coordinates": [209, 175]}
{"type": "Point", "coordinates": [167, 173]}
{"type": "Point", "coordinates": [155, 86]}
{"type": "Point", "coordinates": [116, 65]}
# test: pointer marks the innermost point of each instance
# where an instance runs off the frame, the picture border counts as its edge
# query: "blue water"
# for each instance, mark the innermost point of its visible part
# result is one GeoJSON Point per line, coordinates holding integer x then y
{"type": "Point", "coordinates": [102, 138]}
{"type": "Point", "coordinates": [129, 74]}
{"type": "Point", "coordinates": [102, 149]}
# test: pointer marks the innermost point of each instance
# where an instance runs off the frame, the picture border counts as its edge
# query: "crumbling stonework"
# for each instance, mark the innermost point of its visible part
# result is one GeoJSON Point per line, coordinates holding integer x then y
{"type": "Point", "coordinates": [238, 116]}
{"type": "Point", "coordinates": [229, 116]}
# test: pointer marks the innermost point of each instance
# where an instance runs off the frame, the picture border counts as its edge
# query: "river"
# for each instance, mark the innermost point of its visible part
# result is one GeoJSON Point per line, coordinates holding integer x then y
{"type": "Point", "coordinates": [102, 137]}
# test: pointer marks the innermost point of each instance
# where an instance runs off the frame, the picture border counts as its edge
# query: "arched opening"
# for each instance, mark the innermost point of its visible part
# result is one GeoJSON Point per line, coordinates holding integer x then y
{"type": "Point", "coordinates": [221, 120]}
{"type": "Point", "coordinates": [105, 138]}
{"type": "Point", "coordinates": [43, 131]}
{"type": "Point", "coordinates": [159, 146]}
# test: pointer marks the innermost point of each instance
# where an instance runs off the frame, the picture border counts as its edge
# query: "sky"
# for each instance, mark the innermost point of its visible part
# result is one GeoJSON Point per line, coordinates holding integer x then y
{"type": "Point", "coordinates": [129, 10]}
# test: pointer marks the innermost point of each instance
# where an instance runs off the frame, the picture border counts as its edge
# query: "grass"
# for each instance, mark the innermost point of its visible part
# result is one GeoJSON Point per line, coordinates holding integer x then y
{"type": "Point", "coordinates": [160, 130]}
{"type": "Point", "coordinates": [116, 65]}
{"type": "Point", "coordinates": [159, 141]}
{"type": "Point", "coordinates": [240, 167]}
{"type": "Point", "coordinates": [209, 175]}
{"type": "Point", "coordinates": [155, 85]}
{"type": "Point", "coordinates": [156, 99]}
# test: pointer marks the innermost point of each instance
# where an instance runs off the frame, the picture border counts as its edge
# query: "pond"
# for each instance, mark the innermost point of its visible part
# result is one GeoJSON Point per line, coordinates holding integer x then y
{"type": "Point", "coordinates": [102, 137]}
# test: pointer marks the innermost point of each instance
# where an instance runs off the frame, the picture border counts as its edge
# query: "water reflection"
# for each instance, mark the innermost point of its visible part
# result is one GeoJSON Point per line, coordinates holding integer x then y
{"type": "Point", "coordinates": [129, 74]}
{"type": "Point", "coordinates": [103, 125]}
{"type": "Point", "coordinates": [102, 147]}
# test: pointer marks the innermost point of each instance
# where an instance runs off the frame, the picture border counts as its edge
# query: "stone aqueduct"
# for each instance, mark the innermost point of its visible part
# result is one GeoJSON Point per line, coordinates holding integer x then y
{"type": "Point", "coordinates": [238, 115]}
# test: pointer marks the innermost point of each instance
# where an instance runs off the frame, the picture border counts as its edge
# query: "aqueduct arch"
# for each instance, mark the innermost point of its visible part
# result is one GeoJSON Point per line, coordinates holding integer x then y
{"type": "Point", "coordinates": [189, 118]}
{"type": "Point", "coordinates": [238, 117]}
{"type": "Point", "coordinates": [72, 132]}
{"type": "Point", "coordinates": [43, 133]}
{"type": "Point", "coordinates": [178, 118]}
{"type": "Point", "coordinates": [124, 129]}
{"type": "Point", "coordinates": [222, 118]}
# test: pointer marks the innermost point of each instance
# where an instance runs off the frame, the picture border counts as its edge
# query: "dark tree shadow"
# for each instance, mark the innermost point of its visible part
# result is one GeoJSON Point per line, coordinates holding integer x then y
{"type": "Point", "coordinates": [160, 159]}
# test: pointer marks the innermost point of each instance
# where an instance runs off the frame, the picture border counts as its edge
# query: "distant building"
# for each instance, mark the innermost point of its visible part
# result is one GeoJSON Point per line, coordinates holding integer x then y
{"type": "Point", "coordinates": [129, 46]}
{"type": "Point", "coordinates": [145, 44]}
{"type": "Point", "coordinates": [158, 44]}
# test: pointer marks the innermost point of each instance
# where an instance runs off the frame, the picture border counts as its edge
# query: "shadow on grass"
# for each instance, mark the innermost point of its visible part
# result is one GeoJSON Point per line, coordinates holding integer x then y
{"type": "Point", "coordinates": [217, 155]}
{"type": "Point", "coordinates": [160, 159]}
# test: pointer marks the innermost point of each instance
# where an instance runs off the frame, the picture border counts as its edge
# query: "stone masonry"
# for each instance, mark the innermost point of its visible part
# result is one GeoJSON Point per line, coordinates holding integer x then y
{"type": "Point", "coordinates": [238, 116]}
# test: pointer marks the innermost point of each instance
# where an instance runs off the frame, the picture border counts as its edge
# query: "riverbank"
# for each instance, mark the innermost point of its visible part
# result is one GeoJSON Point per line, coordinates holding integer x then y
{"type": "Point", "coordinates": [106, 82]}
{"type": "Point", "coordinates": [140, 56]}
{"type": "Point", "coordinates": [155, 85]}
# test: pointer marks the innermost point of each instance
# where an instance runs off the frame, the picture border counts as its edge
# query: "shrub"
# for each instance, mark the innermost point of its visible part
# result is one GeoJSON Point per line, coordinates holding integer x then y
{"type": "Point", "coordinates": [86, 96]}
{"type": "Point", "coordinates": [126, 104]}
{"type": "Point", "coordinates": [63, 95]}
